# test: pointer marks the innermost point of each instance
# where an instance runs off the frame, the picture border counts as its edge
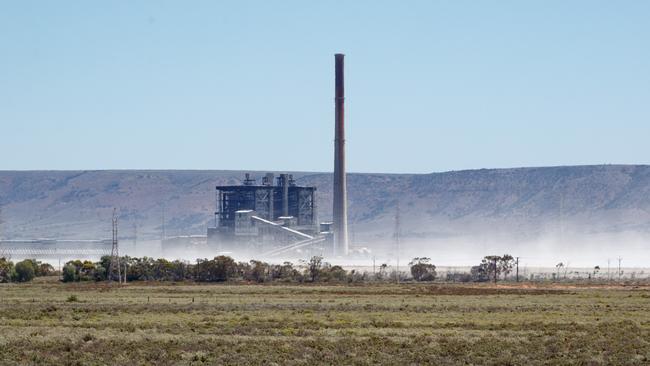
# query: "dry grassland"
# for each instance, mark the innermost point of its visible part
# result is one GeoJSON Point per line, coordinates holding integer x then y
{"type": "Point", "coordinates": [188, 324]}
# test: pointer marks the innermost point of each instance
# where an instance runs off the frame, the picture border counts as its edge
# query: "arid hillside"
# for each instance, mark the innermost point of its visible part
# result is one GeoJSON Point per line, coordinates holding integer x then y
{"type": "Point", "coordinates": [519, 203]}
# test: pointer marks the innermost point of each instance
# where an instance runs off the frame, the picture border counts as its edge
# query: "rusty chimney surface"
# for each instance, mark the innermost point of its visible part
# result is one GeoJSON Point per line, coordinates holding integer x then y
{"type": "Point", "coordinates": [340, 206]}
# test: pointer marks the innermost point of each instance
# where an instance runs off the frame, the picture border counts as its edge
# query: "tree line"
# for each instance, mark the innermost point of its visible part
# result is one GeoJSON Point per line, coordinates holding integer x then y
{"type": "Point", "coordinates": [23, 271]}
{"type": "Point", "coordinates": [224, 268]}
{"type": "Point", "coordinates": [219, 269]}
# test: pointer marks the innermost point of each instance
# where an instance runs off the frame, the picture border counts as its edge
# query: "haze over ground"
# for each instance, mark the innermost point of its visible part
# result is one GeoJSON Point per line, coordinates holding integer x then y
{"type": "Point", "coordinates": [583, 214]}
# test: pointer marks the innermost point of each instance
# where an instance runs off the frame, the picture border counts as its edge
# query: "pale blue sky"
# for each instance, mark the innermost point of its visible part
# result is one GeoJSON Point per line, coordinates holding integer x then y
{"type": "Point", "coordinates": [431, 85]}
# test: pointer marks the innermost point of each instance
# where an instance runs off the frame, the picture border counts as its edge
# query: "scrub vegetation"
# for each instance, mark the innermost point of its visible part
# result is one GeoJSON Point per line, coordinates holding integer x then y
{"type": "Point", "coordinates": [90, 323]}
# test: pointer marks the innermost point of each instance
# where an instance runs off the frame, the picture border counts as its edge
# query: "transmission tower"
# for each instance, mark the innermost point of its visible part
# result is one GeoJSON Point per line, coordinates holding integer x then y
{"type": "Point", "coordinates": [115, 254]}
{"type": "Point", "coordinates": [4, 253]}
{"type": "Point", "coordinates": [163, 234]}
{"type": "Point", "coordinates": [396, 236]}
{"type": "Point", "coordinates": [135, 235]}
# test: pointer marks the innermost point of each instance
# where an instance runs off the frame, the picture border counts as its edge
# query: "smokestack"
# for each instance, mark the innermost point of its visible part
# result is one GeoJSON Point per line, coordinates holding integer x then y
{"type": "Point", "coordinates": [340, 205]}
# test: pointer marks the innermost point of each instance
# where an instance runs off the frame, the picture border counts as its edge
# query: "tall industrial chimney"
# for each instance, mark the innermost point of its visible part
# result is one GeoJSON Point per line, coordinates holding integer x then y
{"type": "Point", "coordinates": [340, 205]}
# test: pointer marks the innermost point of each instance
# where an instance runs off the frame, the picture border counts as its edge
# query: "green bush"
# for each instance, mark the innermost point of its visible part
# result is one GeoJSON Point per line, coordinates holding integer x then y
{"type": "Point", "coordinates": [40, 268]}
{"type": "Point", "coordinates": [422, 269]}
{"type": "Point", "coordinates": [25, 271]}
{"type": "Point", "coordinates": [7, 271]}
{"type": "Point", "coordinates": [72, 298]}
{"type": "Point", "coordinates": [69, 273]}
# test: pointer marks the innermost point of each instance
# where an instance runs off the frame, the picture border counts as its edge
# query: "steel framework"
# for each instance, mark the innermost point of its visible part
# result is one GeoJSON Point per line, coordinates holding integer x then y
{"type": "Point", "coordinates": [115, 254]}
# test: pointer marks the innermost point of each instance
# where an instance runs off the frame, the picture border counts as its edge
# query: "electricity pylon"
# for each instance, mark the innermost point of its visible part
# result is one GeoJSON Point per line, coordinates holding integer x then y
{"type": "Point", "coordinates": [397, 238]}
{"type": "Point", "coordinates": [115, 255]}
{"type": "Point", "coordinates": [3, 253]}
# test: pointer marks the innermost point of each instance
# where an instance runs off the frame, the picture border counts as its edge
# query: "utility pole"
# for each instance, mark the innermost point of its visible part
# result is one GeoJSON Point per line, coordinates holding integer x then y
{"type": "Point", "coordinates": [3, 253]}
{"type": "Point", "coordinates": [397, 244]}
{"type": "Point", "coordinates": [1, 226]}
{"type": "Point", "coordinates": [135, 236]}
{"type": "Point", "coordinates": [609, 276]}
{"type": "Point", "coordinates": [517, 262]}
{"type": "Point", "coordinates": [619, 268]}
{"type": "Point", "coordinates": [373, 265]}
{"type": "Point", "coordinates": [115, 254]}
{"type": "Point", "coordinates": [162, 234]}
{"type": "Point", "coordinates": [198, 270]}
{"type": "Point", "coordinates": [495, 269]}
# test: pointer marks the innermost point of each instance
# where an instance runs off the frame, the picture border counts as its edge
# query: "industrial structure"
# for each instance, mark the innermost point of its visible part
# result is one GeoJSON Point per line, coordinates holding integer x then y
{"type": "Point", "coordinates": [277, 213]}
{"type": "Point", "coordinates": [115, 269]}
{"type": "Point", "coordinates": [340, 204]}
{"type": "Point", "coordinates": [269, 217]}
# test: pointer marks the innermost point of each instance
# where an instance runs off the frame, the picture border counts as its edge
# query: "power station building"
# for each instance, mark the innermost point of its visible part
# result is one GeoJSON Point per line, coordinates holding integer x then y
{"type": "Point", "coordinates": [276, 216]}
{"type": "Point", "coordinates": [268, 216]}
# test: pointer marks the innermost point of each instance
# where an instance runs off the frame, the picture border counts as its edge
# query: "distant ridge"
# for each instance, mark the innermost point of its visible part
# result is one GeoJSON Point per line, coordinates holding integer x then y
{"type": "Point", "coordinates": [522, 202]}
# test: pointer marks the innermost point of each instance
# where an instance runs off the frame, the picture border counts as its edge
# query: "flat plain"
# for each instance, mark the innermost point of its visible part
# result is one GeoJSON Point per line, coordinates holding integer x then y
{"type": "Point", "coordinates": [47, 322]}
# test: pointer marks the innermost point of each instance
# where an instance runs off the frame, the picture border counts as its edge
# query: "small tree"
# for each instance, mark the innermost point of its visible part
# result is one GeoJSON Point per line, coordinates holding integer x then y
{"type": "Point", "coordinates": [314, 267]}
{"type": "Point", "coordinates": [506, 263]}
{"type": "Point", "coordinates": [337, 273]}
{"type": "Point", "coordinates": [257, 271]}
{"type": "Point", "coordinates": [480, 273]}
{"type": "Point", "coordinates": [40, 268]}
{"type": "Point", "coordinates": [490, 265]}
{"type": "Point", "coordinates": [70, 273]}
{"type": "Point", "coordinates": [559, 266]}
{"type": "Point", "coordinates": [7, 271]}
{"type": "Point", "coordinates": [221, 268]}
{"type": "Point", "coordinates": [45, 269]}
{"type": "Point", "coordinates": [284, 271]}
{"type": "Point", "coordinates": [383, 271]}
{"type": "Point", "coordinates": [422, 269]}
{"type": "Point", "coordinates": [86, 271]}
{"type": "Point", "coordinates": [595, 272]}
{"type": "Point", "coordinates": [25, 271]}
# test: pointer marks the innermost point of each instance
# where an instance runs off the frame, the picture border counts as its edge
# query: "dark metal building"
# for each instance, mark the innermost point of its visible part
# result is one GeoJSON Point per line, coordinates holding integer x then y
{"type": "Point", "coordinates": [264, 216]}
{"type": "Point", "coordinates": [270, 202]}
